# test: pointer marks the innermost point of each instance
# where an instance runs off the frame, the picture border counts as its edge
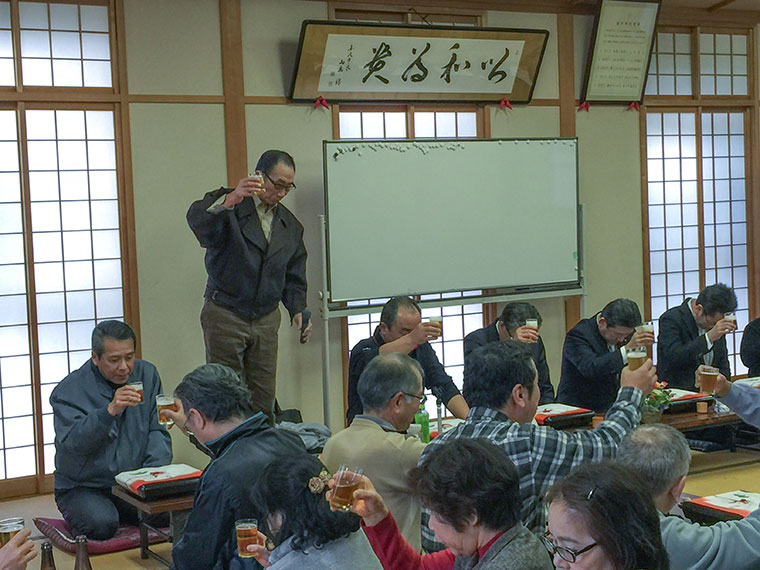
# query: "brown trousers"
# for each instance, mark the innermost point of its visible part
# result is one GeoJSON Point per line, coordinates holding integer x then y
{"type": "Point", "coordinates": [248, 347]}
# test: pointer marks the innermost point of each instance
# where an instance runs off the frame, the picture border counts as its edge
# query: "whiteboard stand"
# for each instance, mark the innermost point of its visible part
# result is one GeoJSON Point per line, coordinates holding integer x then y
{"type": "Point", "coordinates": [324, 310]}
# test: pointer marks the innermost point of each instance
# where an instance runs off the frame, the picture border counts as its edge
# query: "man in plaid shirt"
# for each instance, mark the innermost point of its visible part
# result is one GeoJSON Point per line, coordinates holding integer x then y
{"type": "Point", "coordinates": [501, 387]}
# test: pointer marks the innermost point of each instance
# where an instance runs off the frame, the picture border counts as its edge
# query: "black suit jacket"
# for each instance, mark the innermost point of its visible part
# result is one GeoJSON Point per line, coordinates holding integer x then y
{"type": "Point", "coordinates": [750, 350]}
{"type": "Point", "coordinates": [247, 274]}
{"type": "Point", "coordinates": [681, 347]}
{"type": "Point", "coordinates": [488, 334]}
{"type": "Point", "coordinates": [590, 371]}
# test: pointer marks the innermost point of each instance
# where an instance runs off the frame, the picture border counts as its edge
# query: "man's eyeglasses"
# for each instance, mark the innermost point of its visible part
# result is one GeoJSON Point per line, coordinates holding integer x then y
{"type": "Point", "coordinates": [420, 399]}
{"type": "Point", "coordinates": [566, 554]}
{"type": "Point", "coordinates": [279, 186]}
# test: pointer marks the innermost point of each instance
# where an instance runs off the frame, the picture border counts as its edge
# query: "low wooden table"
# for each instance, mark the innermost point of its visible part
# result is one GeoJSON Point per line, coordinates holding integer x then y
{"type": "Point", "coordinates": [178, 508]}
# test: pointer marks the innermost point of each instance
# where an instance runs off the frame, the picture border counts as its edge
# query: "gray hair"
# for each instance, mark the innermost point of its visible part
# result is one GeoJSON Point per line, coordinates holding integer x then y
{"type": "Point", "coordinates": [657, 454]}
{"type": "Point", "coordinates": [217, 392]}
{"type": "Point", "coordinates": [385, 376]}
{"type": "Point", "coordinates": [514, 314]}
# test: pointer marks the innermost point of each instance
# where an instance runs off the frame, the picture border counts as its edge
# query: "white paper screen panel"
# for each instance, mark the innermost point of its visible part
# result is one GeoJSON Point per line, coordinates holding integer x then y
{"type": "Point", "coordinates": [415, 216]}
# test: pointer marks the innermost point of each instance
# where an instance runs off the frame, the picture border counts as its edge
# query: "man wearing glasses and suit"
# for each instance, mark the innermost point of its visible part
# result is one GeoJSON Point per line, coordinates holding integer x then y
{"type": "Point", "coordinates": [255, 258]}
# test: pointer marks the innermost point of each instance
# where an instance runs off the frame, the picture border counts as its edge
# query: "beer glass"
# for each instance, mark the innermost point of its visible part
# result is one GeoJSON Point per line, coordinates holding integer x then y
{"type": "Point", "coordinates": [707, 376]}
{"type": "Point", "coordinates": [247, 532]}
{"type": "Point", "coordinates": [9, 528]}
{"type": "Point", "coordinates": [139, 387]}
{"type": "Point", "coordinates": [636, 357]}
{"type": "Point", "coordinates": [531, 323]}
{"type": "Point", "coordinates": [258, 175]}
{"type": "Point", "coordinates": [646, 327]}
{"type": "Point", "coordinates": [438, 321]}
{"type": "Point", "coordinates": [165, 403]}
{"type": "Point", "coordinates": [346, 482]}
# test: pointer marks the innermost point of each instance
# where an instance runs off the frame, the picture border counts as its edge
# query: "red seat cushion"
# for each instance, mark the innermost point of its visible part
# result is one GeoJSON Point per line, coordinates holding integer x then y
{"type": "Point", "coordinates": [128, 536]}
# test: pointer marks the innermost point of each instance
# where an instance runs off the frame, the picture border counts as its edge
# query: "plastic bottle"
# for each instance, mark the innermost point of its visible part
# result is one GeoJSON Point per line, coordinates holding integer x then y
{"type": "Point", "coordinates": [82, 561]}
{"type": "Point", "coordinates": [423, 419]}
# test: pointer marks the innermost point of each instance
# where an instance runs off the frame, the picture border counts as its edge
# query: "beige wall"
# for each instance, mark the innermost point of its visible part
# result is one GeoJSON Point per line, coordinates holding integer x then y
{"type": "Point", "coordinates": [179, 153]}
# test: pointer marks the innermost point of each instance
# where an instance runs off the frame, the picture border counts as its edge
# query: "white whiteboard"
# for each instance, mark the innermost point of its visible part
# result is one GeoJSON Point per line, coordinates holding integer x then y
{"type": "Point", "coordinates": [414, 216]}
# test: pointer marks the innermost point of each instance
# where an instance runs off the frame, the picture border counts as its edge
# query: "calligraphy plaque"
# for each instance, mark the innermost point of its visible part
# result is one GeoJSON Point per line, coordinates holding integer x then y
{"type": "Point", "coordinates": [620, 50]}
{"type": "Point", "coordinates": [343, 61]}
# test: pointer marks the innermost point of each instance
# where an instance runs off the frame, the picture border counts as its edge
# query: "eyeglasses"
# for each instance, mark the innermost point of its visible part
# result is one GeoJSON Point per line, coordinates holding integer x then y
{"type": "Point", "coordinates": [280, 187]}
{"type": "Point", "coordinates": [420, 399]}
{"type": "Point", "coordinates": [566, 554]}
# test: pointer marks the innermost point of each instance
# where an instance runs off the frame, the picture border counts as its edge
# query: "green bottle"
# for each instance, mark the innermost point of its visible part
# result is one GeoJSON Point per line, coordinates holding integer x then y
{"type": "Point", "coordinates": [423, 419]}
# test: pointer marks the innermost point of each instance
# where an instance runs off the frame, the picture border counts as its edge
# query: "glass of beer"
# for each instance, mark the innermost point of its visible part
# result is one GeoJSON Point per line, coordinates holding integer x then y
{"type": "Point", "coordinates": [139, 387]}
{"type": "Point", "coordinates": [438, 321]}
{"type": "Point", "coordinates": [346, 482]}
{"type": "Point", "coordinates": [9, 528]}
{"type": "Point", "coordinates": [165, 403]}
{"type": "Point", "coordinates": [258, 175]}
{"type": "Point", "coordinates": [636, 357]}
{"type": "Point", "coordinates": [247, 532]}
{"type": "Point", "coordinates": [707, 376]}
{"type": "Point", "coordinates": [531, 323]}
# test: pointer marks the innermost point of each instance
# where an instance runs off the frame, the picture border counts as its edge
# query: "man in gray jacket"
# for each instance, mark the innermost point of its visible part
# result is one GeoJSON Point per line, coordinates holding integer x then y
{"type": "Point", "coordinates": [105, 425]}
{"type": "Point", "coordinates": [659, 455]}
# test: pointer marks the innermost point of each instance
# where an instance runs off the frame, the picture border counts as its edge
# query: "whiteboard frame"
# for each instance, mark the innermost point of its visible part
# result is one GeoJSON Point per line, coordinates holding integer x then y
{"type": "Point", "coordinates": [500, 292]}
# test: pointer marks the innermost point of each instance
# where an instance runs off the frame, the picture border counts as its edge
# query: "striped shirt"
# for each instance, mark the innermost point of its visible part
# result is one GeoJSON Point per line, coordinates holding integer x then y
{"type": "Point", "coordinates": [542, 455]}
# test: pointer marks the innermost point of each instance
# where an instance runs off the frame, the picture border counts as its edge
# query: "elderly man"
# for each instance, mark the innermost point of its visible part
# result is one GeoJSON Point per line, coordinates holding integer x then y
{"type": "Point", "coordinates": [513, 324]}
{"type": "Point", "coordinates": [659, 455]}
{"type": "Point", "coordinates": [501, 385]}
{"type": "Point", "coordinates": [214, 407]}
{"type": "Point", "coordinates": [255, 258]}
{"type": "Point", "coordinates": [595, 353]}
{"type": "Point", "coordinates": [103, 426]}
{"type": "Point", "coordinates": [401, 330]}
{"type": "Point", "coordinates": [390, 389]}
{"type": "Point", "coordinates": [694, 333]}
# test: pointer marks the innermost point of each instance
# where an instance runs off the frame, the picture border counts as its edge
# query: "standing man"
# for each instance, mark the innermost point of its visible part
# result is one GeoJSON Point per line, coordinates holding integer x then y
{"type": "Point", "coordinates": [693, 333]}
{"type": "Point", "coordinates": [213, 406]}
{"type": "Point", "coordinates": [401, 330]}
{"type": "Point", "coordinates": [255, 258]}
{"type": "Point", "coordinates": [512, 325]}
{"type": "Point", "coordinates": [595, 353]}
{"type": "Point", "coordinates": [103, 426]}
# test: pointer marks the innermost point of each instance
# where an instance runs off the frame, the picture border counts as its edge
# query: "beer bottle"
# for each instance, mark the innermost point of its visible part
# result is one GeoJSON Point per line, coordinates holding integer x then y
{"type": "Point", "coordinates": [423, 419]}
{"type": "Point", "coordinates": [46, 557]}
{"type": "Point", "coordinates": [82, 561]}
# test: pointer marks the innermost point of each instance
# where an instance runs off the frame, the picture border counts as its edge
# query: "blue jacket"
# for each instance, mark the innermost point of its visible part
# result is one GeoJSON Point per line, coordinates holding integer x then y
{"type": "Point", "coordinates": [91, 445]}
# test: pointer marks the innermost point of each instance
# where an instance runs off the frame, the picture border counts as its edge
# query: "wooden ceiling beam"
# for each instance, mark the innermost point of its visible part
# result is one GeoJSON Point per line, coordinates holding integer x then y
{"type": "Point", "coordinates": [720, 5]}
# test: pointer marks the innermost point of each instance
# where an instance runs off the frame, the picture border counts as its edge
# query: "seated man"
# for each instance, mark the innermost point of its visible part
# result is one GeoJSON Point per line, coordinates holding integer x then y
{"type": "Point", "coordinates": [511, 324]}
{"type": "Point", "coordinates": [595, 353]}
{"type": "Point", "coordinates": [501, 384]}
{"type": "Point", "coordinates": [694, 333]}
{"type": "Point", "coordinates": [214, 407]}
{"type": "Point", "coordinates": [401, 330]}
{"type": "Point", "coordinates": [743, 400]}
{"type": "Point", "coordinates": [659, 455]}
{"type": "Point", "coordinates": [750, 349]}
{"type": "Point", "coordinates": [390, 389]}
{"type": "Point", "coordinates": [481, 525]}
{"type": "Point", "coordinates": [104, 426]}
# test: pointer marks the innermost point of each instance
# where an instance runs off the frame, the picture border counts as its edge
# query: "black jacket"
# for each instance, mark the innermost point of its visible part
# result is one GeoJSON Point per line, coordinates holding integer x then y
{"type": "Point", "coordinates": [436, 379]}
{"type": "Point", "coordinates": [681, 347]}
{"type": "Point", "coordinates": [750, 350]}
{"type": "Point", "coordinates": [224, 494]}
{"type": "Point", "coordinates": [488, 334]}
{"type": "Point", "coordinates": [590, 371]}
{"type": "Point", "coordinates": [245, 273]}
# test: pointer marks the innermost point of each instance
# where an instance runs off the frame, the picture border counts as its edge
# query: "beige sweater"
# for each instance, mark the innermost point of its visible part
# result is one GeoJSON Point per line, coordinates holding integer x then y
{"type": "Point", "coordinates": [386, 458]}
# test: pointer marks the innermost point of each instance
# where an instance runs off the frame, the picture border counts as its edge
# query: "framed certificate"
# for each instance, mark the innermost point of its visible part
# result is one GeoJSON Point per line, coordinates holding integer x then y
{"type": "Point", "coordinates": [621, 47]}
